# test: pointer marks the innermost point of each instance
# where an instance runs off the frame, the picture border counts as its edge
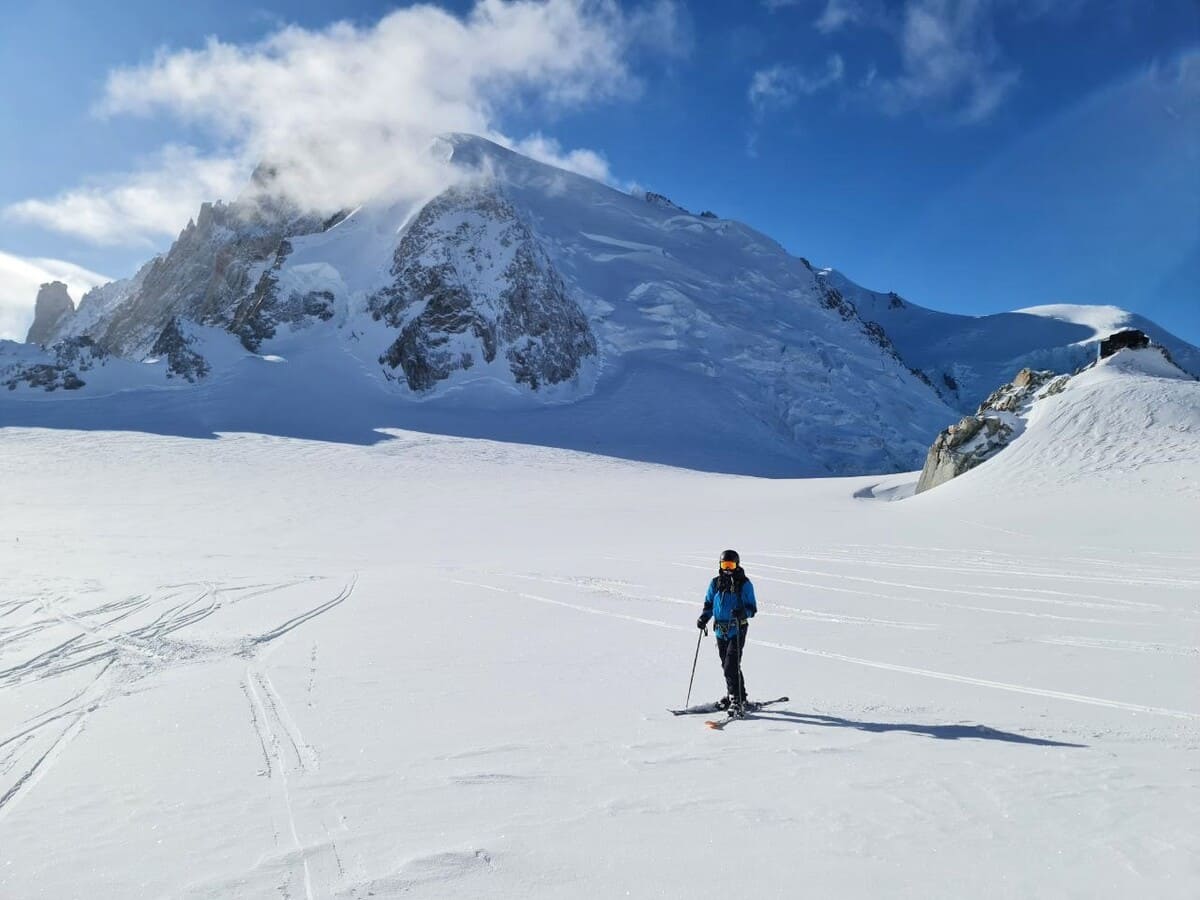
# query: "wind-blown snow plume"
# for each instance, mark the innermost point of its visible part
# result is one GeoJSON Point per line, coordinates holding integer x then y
{"type": "Point", "coordinates": [346, 113]}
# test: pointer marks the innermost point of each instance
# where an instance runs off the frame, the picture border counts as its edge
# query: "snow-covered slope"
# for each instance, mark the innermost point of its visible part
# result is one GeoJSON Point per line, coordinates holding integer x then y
{"type": "Point", "coordinates": [965, 357]}
{"type": "Point", "coordinates": [254, 666]}
{"type": "Point", "coordinates": [532, 304]}
{"type": "Point", "coordinates": [527, 303]}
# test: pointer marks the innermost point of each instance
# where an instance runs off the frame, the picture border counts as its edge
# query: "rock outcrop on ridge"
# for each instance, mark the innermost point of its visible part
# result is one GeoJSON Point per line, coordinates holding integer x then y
{"type": "Point", "coordinates": [51, 309]}
{"type": "Point", "coordinates": [976, 439]}
{"type": "Point", "coordinates": [1002, 417]}
{"type": "Point", "coordinates": [57, 367]}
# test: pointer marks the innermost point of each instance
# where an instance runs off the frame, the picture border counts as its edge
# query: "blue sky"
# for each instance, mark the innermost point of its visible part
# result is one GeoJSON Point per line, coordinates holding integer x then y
{"type": "Point", "coordinates": [973, 155]}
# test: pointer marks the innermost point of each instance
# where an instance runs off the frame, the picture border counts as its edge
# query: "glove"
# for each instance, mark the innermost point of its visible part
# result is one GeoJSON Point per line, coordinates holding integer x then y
{"type": "Point", "coordinates": [702, 622]}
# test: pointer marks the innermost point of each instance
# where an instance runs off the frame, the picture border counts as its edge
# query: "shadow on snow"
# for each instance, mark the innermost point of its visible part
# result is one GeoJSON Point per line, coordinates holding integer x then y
{"type": "Point", "coordinates": [647, 413]}
{"type": "Point", "coordinates": [942, 732]}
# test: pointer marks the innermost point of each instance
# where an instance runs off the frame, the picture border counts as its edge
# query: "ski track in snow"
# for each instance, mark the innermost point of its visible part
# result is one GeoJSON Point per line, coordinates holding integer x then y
{"type": "Point", "coordinates": [778, 610]}
{"type": "Point", "coordinates": [996, 564]}
{"type": "Point", "coordinates": [875, 664]}
{"type": "Point", "coordinates": [123, 654]}
{"type": "Point", "coordinates": [875, 594]}
{"type": "Point", "coordinates": [288, 759]}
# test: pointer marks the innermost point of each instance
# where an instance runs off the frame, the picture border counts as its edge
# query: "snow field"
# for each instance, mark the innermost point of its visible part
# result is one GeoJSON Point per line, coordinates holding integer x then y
{"type": "Point", "coordinates": [256, 666]}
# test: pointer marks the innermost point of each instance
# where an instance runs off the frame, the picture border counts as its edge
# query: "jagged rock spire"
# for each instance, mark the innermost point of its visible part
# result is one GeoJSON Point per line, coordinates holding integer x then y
{"type": "Point", "coordinates": [53, 306]}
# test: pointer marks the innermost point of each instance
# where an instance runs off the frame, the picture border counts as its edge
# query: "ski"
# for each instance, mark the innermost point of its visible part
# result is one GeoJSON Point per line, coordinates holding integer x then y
{"type": "Point", "coordinates": [695, 710]}
{"type": "Point", "coordinates": [705, 708]}
{"type": "Point", "coordinates": [750, 707]}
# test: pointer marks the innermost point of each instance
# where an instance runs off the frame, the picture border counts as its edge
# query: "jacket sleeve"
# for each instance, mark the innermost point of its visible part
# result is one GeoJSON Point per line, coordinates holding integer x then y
{"type": "Point", "coordinates": [748, 601]}
{"type": "Point", "coordinates": [706, 614]}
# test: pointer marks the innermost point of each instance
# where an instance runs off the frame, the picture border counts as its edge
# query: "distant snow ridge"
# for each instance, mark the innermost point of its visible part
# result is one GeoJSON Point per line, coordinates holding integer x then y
{"type": "Point", "coordinates": [965, 357]}
{"type": "Point", "coordinates": [610, 322]}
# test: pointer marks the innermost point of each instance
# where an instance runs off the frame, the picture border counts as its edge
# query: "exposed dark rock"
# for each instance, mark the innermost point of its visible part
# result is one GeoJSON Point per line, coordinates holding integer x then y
{"type": "Point", "coordinates": [70, 357]}
{"type": "Point", "coordinates": [258, 316]}
{"type": "Point", "coordinates": [47, 377]}
{"type": "Point", "coordinates": [1131, 339]}
{"type": "Point", "coordinates": [444, 300]}
{"type": "Point", "coordinates": [182, 360]}
{"type": "Point", "coordinates": [53, 307]}
{"type": "Point", "coordinates": [211, 272]}
{"type": "Point", "coordinates": [663, 201]}
{"type": "Point", "coordinates": [831, 298]}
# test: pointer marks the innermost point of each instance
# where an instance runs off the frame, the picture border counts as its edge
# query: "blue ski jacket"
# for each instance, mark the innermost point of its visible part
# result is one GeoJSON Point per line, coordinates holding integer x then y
{"type": "Point", "coordinates": [729, 609]}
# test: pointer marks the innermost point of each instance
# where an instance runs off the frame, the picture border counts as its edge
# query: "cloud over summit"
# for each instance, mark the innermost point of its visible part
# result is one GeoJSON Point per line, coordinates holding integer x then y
{"type": "Point", "coordinates": [346, 113]}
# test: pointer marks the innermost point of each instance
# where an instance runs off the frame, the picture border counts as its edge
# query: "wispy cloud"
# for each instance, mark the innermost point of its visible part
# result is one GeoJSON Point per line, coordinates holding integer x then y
{"type": "Point", "coordinates": [780, 86]}
{"type": "Point", "coordinates": [548, 150]}
{"type": "Point", "coordinates": [346, 112]}
{"type": "Point", "coordinates": [20, 278]}
{"type": "Point", "coordinates": [951, 63]}
{"type": "Point", "coordinates": [838, 14]}
{"type": "Point", "coordinates": [136, 207]}
{"type": "Point", "coordinates": [949, 60]}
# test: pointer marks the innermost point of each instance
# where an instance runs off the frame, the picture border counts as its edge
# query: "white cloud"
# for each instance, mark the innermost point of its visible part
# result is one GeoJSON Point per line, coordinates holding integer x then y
{"type": "Point", "coordinates": [20, 278]}
{"type": "Point", "coordinates": [548, 150]}
{"type": "Point", "coordinates": [134, 208]}
{"type": "Point", "coordinates": [781, 86]}
{"type": "Point", "coordinates": [347, 112]}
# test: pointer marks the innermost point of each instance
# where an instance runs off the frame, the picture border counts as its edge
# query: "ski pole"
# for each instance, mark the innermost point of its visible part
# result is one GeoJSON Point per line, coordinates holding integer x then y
{"type": "Point", "coordinates": [699, 637]}
{"type": "Point", "coordinates": [739, 642]}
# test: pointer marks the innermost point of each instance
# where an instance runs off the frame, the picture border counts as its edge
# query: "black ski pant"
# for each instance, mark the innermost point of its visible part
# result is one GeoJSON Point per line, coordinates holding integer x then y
{"type": "Point", "coordinates": [731, 662]}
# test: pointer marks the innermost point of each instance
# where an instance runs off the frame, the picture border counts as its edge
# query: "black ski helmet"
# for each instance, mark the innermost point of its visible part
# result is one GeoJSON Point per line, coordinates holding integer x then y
{"type": "Point", "coordinates": [731, 556]}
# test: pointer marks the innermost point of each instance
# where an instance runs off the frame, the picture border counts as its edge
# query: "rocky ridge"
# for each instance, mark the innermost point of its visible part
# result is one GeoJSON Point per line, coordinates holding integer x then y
{"type": "Point", "coordinates": [1000, 418]}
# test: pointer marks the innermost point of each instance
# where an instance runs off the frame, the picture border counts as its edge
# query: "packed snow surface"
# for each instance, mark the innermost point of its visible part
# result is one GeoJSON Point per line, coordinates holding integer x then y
{"type": "Point", "coordinates": [251, 665]}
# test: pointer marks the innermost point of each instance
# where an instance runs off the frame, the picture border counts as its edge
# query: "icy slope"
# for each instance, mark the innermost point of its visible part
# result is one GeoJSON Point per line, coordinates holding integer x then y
{"type": "Point", "coordinates": [967, 356]}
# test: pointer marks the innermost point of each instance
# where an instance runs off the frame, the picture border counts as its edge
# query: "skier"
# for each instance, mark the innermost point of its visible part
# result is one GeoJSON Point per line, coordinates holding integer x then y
{"type": "Point", "coordinates": [730, 603]}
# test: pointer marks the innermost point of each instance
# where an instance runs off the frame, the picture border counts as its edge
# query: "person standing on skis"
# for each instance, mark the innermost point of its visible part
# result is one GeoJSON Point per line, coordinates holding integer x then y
{"type": "Point", "coordinates": [730, 604]}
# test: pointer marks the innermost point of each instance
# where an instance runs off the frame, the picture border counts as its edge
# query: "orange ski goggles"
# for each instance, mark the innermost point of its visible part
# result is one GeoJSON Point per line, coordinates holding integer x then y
{"type": "Point", "coordinates": [728, 565]}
